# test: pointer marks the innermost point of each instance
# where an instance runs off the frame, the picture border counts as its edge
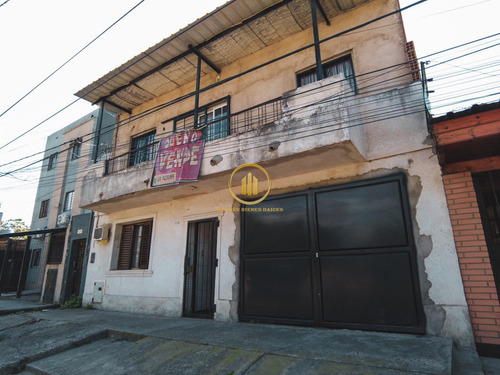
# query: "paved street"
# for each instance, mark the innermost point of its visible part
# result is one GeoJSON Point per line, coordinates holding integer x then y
{"type": "Point", "coordinates": [103, 342]}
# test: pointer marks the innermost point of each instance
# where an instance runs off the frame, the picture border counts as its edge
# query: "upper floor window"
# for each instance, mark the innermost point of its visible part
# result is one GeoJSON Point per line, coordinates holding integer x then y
{"type": "Point", "coordinates": [142, 148]}
{"type": "Point", "coordinates": [68, 200]}
{"type": "Point", "coordinates": [213, 119]}
{"type": "Point", "coordinates": [44, 208]}
{"type": "Point", "coordinates": [331, 68]}
{"type": "Point", "coordinates": [76, 148]}
{"type": "Point", "coordinates": [135, 245]}
{"type": "Point", "coordinates": [216, 120]}
{"type": "Point", "coordinates": [52, 161]}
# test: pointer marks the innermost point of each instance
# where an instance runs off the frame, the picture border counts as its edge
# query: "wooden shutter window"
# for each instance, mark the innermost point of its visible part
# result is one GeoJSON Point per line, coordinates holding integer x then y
{"type": "Point", "coordinates": [126, 242]}
{"type": "Point", "coordinates": [145, 245]}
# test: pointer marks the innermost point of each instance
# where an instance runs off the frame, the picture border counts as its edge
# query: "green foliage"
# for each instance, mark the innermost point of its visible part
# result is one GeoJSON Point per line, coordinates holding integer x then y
{"type": "Point", "coordinates": [74, 302]}
{"type": "Point", "coordinates": [17, 225]}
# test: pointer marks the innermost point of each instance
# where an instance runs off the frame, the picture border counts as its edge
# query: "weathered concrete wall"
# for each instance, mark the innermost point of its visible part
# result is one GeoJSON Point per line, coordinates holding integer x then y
{"type": "Point", "coordinates": [371, 48]}
{"type": "Point", "coordinates": [159, 289]}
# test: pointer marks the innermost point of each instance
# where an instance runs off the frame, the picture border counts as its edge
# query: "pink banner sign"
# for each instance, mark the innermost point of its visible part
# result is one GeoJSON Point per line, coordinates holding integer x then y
{"type": "Point", "coordinates": [178, 158]}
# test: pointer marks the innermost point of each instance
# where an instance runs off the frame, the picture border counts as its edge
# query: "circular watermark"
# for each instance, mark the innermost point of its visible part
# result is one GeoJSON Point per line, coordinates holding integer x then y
{"type": "Point", "coordinates": [251, 184]}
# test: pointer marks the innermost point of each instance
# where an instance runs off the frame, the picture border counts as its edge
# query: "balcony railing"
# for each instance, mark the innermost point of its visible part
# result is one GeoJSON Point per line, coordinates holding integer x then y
{"type": "Point", "coordinates": [240, 122]}
{"type": "Point", "coordinates": [131, 158]}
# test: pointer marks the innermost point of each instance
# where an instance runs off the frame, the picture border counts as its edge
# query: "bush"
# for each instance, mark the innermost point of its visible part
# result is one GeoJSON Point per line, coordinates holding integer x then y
{"type": "Point", "coordinates": [74, 302]}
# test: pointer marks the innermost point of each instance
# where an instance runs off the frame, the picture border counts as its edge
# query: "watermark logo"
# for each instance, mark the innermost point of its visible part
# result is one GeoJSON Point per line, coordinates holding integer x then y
{"type": "Point", "coordinates": [253, 174]}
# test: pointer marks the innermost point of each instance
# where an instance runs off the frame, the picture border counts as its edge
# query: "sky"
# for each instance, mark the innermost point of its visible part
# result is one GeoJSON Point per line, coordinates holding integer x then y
{"type": "Point", "coordinates": [36, 37]}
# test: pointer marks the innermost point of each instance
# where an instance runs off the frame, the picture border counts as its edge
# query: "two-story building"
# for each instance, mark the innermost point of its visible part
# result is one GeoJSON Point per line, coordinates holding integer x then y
{"type": "Point", "coordinates": [319, 200]}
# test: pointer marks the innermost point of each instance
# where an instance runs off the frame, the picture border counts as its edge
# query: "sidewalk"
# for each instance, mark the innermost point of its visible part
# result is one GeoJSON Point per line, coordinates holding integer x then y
{"type": "Point", "coordinates": [104, 342]}
{"type": "Point", "coordinates": [11, 305]}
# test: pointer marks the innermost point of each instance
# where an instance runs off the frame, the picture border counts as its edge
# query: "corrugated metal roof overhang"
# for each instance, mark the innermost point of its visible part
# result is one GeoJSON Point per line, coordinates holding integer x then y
{"type": "Point", "coordinates": [229, 33]}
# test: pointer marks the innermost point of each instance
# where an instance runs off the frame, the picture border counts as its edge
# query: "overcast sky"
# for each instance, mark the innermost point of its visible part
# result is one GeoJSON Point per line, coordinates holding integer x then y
{"type": "Point", "coordinates": [38, 36]}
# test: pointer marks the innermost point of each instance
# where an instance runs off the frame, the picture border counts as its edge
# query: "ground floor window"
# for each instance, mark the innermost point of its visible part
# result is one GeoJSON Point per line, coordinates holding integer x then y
{"type": "Point", "coordinates": [135, 245]}
{"type": "Point", "coordinates": [35, 258]}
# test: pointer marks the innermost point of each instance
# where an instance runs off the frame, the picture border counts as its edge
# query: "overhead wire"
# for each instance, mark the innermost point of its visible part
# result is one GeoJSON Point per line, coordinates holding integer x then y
{"type": "Point", "coordinates": [54, 72]}
{"type": "Point", "coordinates": [149, 111]}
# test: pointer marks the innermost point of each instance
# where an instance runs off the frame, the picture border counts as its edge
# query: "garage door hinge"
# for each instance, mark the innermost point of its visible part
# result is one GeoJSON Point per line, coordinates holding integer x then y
{"type": "Point", "coordinates": [316, 255]}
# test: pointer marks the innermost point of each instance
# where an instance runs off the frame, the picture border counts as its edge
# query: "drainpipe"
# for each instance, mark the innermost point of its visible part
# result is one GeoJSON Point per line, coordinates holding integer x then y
{"type": "Point", "coordinates": [317, 50]}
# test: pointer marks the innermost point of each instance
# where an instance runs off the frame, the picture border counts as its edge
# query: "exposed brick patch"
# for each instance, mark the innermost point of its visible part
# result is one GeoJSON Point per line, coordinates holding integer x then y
{"type": "Point", "coordinates": [411, 55]}
{"type": "Point", "coordinates": [475, 266]}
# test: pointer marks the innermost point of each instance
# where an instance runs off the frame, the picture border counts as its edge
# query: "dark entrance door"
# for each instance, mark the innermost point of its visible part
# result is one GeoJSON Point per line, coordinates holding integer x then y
{"type": "Point", "coordinates": [488, 193]}
{"type": "Point", "coordinates": [78, 254]}
{"type": "Point", "coordinates": [341, 256]}
{"type": "Point", "coordinates": [199, 268]}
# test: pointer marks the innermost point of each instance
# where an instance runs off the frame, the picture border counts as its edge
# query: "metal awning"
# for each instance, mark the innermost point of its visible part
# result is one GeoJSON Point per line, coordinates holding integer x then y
{"type": "Point", "coordinates": [231, 32]}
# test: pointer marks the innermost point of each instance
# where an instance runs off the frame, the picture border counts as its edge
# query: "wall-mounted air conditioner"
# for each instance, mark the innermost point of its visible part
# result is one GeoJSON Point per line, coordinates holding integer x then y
{"type": "Point", "coordinates": [102, 233]}
{"type": "Point", "coordinates": [63, 219]}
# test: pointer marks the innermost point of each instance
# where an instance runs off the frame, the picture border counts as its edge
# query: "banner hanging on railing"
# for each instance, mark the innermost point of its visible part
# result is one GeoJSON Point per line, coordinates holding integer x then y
{"type": "Point", "coordinates": [178, 158]}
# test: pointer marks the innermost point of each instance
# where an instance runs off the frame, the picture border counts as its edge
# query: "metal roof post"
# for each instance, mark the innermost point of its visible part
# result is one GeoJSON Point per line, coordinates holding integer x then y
{"type": "Point", "coordinates": [98, 132]}
{"type": "Point", "coordinates": [197, 92]}
{"type": "Point", "coordinates": [317, 51]}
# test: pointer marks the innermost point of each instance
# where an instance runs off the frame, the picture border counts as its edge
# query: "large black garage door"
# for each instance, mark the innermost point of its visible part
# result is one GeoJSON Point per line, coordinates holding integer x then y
{"type": "Point", "coordinates": [341, 256]}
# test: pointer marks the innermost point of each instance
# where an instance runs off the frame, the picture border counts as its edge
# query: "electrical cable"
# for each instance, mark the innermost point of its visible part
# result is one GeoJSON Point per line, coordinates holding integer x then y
{"type": "Point", "coordinates": [55, 71]}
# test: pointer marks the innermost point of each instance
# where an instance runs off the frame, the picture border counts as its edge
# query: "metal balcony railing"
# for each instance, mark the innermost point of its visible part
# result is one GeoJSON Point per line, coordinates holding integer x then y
{"type": "Point", "coordinates": [131, 158]}
{"type": "Point", "coordinates": [237, 123]}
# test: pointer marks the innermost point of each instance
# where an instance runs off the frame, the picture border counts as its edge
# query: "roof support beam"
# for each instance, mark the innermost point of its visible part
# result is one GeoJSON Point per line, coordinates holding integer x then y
{"type": "Point", "coordinates": [117, 106]}
{"type": "Point", "coordinates": [197, 92]}
{"type": "Point", "coordinates": [205, 60]}
{"type": "Point", "coordinates": [317, 49]}
{"type": "Point", "coordinates": [98, 131]}
{"type": "Point", "coordinates": [198, 47]}
{"type": "Point", "coordinates": [323, 13]}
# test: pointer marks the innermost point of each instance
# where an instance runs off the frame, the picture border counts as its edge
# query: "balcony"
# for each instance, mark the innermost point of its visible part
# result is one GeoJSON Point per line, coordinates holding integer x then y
{"type": "Point", "coordinates": [319, 126]}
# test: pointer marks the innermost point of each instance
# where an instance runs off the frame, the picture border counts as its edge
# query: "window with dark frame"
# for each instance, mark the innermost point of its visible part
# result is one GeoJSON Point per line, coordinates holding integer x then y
{"type": "Point", "coordinates": [52, 161]}
{"type": "Point", "coordinates": [76, 148]}
{"type": "Point", "coordinates": [207, 120]}
{"type": "Point", "coordinates": [68, 200]}
{"type": "Point", "coordinates": [330, 68]}
{"type": "Point", "coordinates": [44, 209]}
{"type": "Point", "coordinates": [215, 129]}
{"type": "Point", "coordinates": [35, 258]}
{"type": "Point", "coordinates": [135, 246]}
{"type": "Point", "coordinates": [142, 148]}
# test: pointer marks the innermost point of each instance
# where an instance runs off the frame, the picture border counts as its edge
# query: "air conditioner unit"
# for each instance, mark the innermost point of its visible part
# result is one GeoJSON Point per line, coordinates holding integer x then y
{"type": "Point", "coordinates": [63, 219]}
{"type": "Point", "coordinates": [102, 233]}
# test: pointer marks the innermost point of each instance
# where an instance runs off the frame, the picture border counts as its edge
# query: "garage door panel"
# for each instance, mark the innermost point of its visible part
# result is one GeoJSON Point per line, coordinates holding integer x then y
{"type": "Point", "coordinates": [278, 288]}
{"type": "Point", "coordinates": [279, 231]}
{"type": "Point", "coordinates": [341, 256]}
{"type": "Point", "coordinates": [374, 289]}
{"type": "Point", "coordinates": [361, 217]}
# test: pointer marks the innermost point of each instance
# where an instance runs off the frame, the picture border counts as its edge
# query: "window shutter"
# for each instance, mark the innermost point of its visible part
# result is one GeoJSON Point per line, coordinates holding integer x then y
{"type": "Point", "coordinates": [125, 254]}
{"type": "Point", "coordinates": [145, 245]}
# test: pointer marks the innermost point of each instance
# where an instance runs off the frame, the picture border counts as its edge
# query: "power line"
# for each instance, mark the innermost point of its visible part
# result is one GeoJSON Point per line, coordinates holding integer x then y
{"type": "Point", "coordinates": [55, 71]}
{"type": "Point", "coordinates": [154, 109]}
{"type": "Point", "coordinates": [347, 31]}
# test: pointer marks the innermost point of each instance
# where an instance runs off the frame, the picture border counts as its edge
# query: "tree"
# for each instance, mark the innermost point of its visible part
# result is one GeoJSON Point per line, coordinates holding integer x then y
{"type": "Point", "coordinates": [16, 225]}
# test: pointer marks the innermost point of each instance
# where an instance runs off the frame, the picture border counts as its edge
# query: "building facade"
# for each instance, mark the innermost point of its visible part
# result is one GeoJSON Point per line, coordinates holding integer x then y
{"type": "Point", "coordinates": [56, 262]}
{"type": "Point", "coordinates": [468, 148]}
{"type": "Point", "coordinates": [351, 229]}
